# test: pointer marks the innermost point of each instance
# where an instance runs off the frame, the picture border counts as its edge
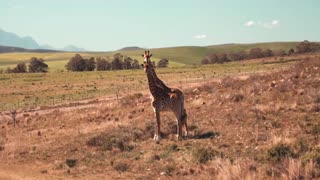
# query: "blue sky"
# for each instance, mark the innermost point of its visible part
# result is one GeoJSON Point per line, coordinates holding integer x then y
{"type": "Point", "coordinates": [112, 24]}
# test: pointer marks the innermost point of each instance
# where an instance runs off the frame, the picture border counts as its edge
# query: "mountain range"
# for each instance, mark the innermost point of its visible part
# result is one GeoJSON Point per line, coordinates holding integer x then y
{"type": "Point", "coordinates": [13, 40]}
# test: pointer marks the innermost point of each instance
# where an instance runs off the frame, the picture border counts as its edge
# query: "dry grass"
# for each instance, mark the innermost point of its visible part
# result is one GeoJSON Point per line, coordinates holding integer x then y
{"type": "Point", "coordinates": [257, 126]}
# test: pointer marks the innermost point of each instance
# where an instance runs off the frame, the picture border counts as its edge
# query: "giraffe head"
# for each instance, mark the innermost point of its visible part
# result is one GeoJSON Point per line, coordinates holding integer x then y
{"type": "Point", "coordinates": [147, 62]}
{"type": "Point", "coordinates": [146, 56]}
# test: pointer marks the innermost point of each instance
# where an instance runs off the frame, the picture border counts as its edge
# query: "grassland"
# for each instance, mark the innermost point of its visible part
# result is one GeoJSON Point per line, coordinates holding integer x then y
{"type": "Point", "coordinates": [38, 89]}
{"type": "Point", "coordinates": [178, 56]}
{"type": "Point", "coordinates": [256, 119]}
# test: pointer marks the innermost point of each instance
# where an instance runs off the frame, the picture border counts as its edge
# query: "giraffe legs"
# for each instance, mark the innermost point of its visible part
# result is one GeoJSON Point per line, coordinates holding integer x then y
{"type": "Point", "coordinates": [186, 127]}
{"type": "Point", "coordinates": [157, 131]}
{"type": "Point", "coordinates": [179, 124]}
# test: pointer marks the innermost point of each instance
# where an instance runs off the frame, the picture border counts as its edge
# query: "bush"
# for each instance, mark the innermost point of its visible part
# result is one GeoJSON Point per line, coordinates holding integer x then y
{"type": "Point", "coordinates": [314, 155]}
{"type": "Point", "coordinates": [71, 162]}
{"type": "Point", "coordinates": [76, 63]}
{"type": "Point", "coordinates": [37, 65]}
{"type": "Point", "coordinates": [90, 64]}
{"type": "Point", "coordinates": [108, 141]}
{"type": "Point", "coordinates": [102, 64]}
{"type": "Point", "coordinates": [279, 152]}
{"type": "Point", "coordinates": [203, 155]}
{"type": "Point", "coordinates": [122, 167]}
{"type": "Point", "coordinates": [163, 63]}
{"type": "Point", "coordinates": [20, 68]}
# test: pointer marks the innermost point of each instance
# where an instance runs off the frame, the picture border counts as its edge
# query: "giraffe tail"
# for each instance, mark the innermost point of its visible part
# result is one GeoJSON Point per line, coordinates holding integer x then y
{"type": "Point", "coordinates": [184, 117]}
{"type": "Point", "coordinates": [183, 111]}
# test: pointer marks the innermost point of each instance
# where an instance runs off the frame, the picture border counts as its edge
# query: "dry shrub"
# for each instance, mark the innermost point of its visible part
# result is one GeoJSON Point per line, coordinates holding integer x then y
{"type": "Point", "coordinates": [229, 170]}
{"type": "Point", "coordinates": [132, 98]}
{"type": "Point", "coordinates": [279, 152]}
{"type": "Point", "coordinates": [121, 137]}
{"type": "Point", "coordinates": [204, 154]}
{"type": "Point", "coordinates": [121, 167]}
{"type": "Point", "coordinates": [71, 162]}
{"type": "Point", "coordinates": [230, 82]}
{"type": "Point", "coordinates": [206, 87]}
{"type": "Point", "coordinates": [116, 139]}
{"type": "Point", "coordinates": [294, 169]}
{"type": "Point", "coordinates": [168, 169]}
{"type": "Point", "coordinates": [237, 97]}
{"type": "Point", "coordinates": [313, 155]}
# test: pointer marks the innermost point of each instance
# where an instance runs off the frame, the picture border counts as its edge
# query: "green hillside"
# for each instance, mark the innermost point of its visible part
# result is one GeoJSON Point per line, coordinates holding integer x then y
{"type": "Point", "coordinates": [178, 56]}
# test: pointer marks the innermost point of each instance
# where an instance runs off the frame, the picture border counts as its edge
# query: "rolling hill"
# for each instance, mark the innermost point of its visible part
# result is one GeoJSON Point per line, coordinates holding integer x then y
{"type": "Point", "coordinates": [178, 56]}
{"type": "Point", "coordinates": [194, 54]}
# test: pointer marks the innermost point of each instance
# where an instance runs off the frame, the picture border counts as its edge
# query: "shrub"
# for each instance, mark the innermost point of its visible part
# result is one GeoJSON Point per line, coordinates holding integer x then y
{"type": "Point", "coordinates": [90, 64]}
{"type": "Point", "coordinates": [20, 68]}
{"type": "Point", "coordinates": [279, 152]}
{"type": "Point", "coordinates": [168, 169]}
{"type": "Point", "coordinates": [37, 65]}
{"type": "Point", "coordinates": [102, 64]}
{"type": "Point", "coordinates": [203, 155]}
{"type": "Point", "coordinates": [71, 162]}
{"type": "Point", "coordinates": [163, 63]}
{"type": "Point", "coordinates": [76, 63]}
{"type": "Point", "coordinates": [314, 156]}
{"type": "Point", "coordinates": [120, 166]}
{"type": "Point", "coordinates": [1, 148]}
{"type": "Point", "coordinates": [111, 140]}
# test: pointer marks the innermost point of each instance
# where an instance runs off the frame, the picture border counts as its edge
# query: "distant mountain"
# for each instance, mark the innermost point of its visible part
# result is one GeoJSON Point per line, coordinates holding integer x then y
{"type": "Point", "coordinates": [7, 49]}
{"type": "Point", "coordinates": [13, 40]}
{"type": "Point", "coordinates": [72, 48]}
{"type": "Point", "coordinates": [131, 48]}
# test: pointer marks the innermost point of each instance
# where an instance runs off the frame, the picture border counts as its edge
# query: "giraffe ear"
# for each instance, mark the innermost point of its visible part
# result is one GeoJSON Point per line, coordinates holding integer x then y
{"type": "Point", "coordinates": [150, 55]}
{"type": "Point", "coordinates": [142, 55]}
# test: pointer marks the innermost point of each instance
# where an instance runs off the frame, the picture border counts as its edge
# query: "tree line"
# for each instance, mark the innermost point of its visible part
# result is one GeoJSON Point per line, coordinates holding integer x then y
{"type": "Point", "coordinates": [34, 65]}
{"type": "Point", "coordinates": [78, 63]}
{"type": "Point", "coordinates": [254, 53]}
{"type": "Point", "coordinates": [118, 62]}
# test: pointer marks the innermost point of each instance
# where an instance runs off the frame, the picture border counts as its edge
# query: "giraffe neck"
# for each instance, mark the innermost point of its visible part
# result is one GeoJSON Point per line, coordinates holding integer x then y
{"type": "Point", "coordinates": [152, 85]}
{"type": "Point", "coordinates": [156, 80]}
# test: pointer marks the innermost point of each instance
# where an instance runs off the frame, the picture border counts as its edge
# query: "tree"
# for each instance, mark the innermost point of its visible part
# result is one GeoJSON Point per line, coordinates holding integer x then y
{"type": "Point", "coordinates": [116, 63]}
{"type": "Point", "coordinates": [163, 63]}
{"type": "Point", "coordinates": [127, 63]}
{"type": "Point", "coordinates": [76, 63]}
{"type": "Point", "coordinates": [222, 58]}
{"type": "Point", "coordinates": [90, 64]}
{"type": "Point", "coordinates": [135, 64]}
{"type": "Point", "coordinates": [279, 52]}
{"type": "Point", "coordinates": [37, 65]}
{"type": "Point", "coordinates": [291, 51]}
{"type": "Point", "coordinates": [205, 61]}
{"type": "Point", "coordinates": [102, 64]}
{"type": "Point", "coordinates": [213, 58]}
{"type": "Point", "coordinates": [267, 53]}
{"type": "Point", "coordinates": [20, 68]}
{"type": "Point", "coordinates": [238, 56]}
{"type": "Point", "coordinates": [255, 53]}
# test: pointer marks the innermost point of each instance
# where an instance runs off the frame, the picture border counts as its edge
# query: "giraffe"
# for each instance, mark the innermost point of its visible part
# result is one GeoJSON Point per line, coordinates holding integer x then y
{"type": "Point", "coordinates": [164, 99]}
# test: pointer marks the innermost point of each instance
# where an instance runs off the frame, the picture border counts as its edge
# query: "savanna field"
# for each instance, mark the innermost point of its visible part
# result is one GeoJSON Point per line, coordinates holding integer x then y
{"type": "Point", "coordinates": [252, 119]}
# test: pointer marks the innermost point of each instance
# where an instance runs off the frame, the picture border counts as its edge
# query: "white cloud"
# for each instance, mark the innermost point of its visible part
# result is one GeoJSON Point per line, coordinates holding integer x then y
{"type": "Point", "coordinates": [268, 25]}
{"type": "Point", "coordinates": [201, 36]}
{"type": "Point", "coordinates": [275, 22]}
{"type": "Point", "coordinates": [249, 23]}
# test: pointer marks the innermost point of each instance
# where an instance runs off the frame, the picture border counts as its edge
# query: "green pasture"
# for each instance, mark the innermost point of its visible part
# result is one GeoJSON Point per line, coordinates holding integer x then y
{"type": "Point", "coordinates": [30, 90]}
{"type": "Point", "coordinates": [178, 56]}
